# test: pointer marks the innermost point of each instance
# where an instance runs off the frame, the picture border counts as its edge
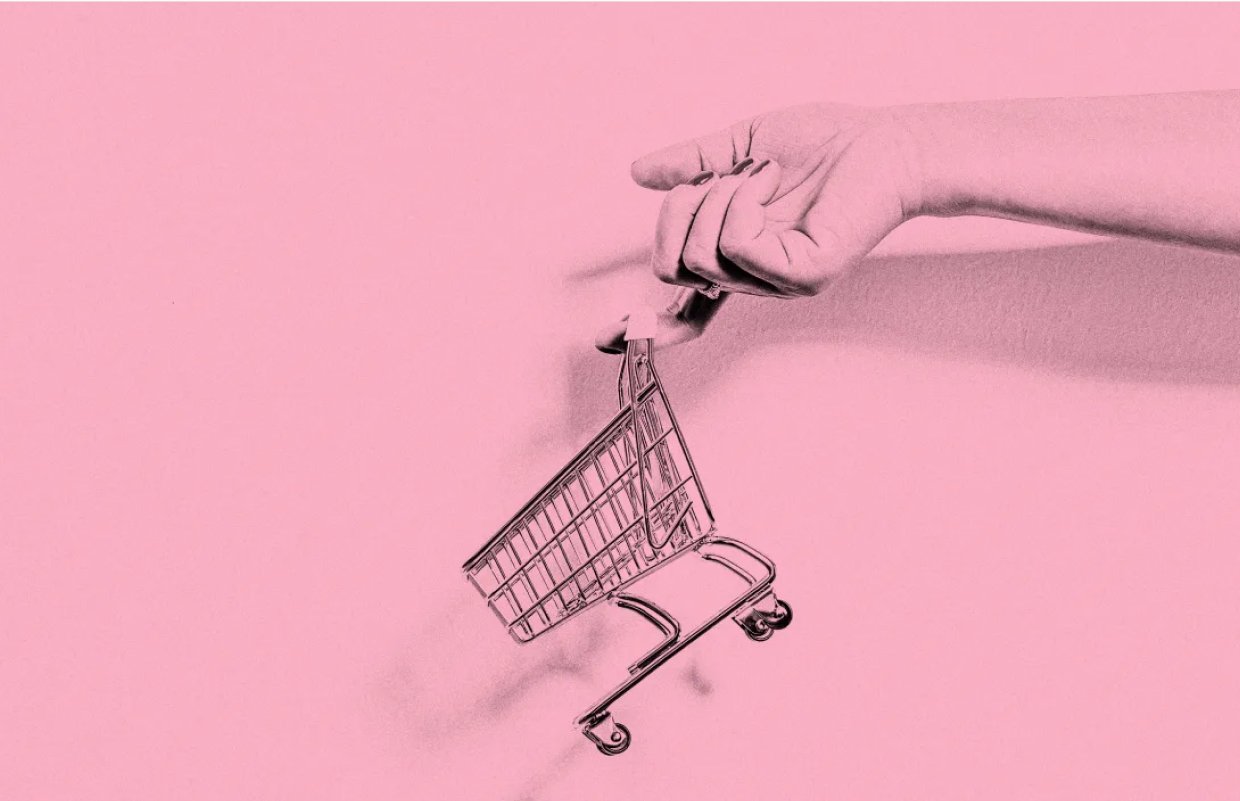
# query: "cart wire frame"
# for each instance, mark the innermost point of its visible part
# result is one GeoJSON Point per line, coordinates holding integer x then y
{"type": "Point", "coordinates": [628, 503]}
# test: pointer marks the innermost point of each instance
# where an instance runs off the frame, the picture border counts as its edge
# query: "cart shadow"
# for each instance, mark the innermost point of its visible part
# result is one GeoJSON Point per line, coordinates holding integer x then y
{"type": "Point", "coordinates": [410, 694]}
{"type": "Point", "coordinates": [1118, 310]}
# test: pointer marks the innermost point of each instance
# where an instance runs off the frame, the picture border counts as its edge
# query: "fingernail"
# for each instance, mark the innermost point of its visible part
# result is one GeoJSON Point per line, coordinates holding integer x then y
{"type": "Point", "coordinates": [740, 168]}
{"type": "Point", "coordinates": [701, 178]}
{"type": "Point", "coordinates": [761, 166]}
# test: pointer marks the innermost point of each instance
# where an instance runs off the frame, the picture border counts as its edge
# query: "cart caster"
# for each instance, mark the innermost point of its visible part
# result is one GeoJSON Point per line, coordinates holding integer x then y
{"type": "Point", "coordinates": [620, 740]}
{"type": "Point", "coordinates": [781, 618]}
{"type": "Point", "coordinates": [755, 626]}
{"type": "Point", "coordinates": [609, 737]}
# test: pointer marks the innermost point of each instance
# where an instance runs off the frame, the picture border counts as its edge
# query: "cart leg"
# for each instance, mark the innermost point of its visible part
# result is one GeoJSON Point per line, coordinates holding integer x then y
{"type": "Point", "coordinates": [608, 736]}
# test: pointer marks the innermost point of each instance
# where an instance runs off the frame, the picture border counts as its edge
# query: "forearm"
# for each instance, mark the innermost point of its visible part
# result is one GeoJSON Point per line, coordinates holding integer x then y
{"type": "Point", "coordinates": [1161, 167]}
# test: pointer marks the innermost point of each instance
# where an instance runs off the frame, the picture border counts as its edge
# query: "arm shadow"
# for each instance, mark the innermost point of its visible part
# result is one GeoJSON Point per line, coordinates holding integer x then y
{"type": "Point", "coordinates": [1117, 310]}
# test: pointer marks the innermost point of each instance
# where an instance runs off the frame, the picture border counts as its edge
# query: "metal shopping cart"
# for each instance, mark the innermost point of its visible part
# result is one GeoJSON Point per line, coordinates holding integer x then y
{"type": "Point", "coordinates": [606, 521]}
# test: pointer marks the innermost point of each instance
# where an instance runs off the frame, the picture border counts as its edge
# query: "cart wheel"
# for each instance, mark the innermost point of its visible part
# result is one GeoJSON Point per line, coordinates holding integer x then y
{"type": "Point", "coordinates": [781, 618]}
{"type": "Point", "coordinates": [620, 739]}
{"type": "Point", "coordinates": [755, 626]}
{"type": "Point", "coordinates": [760, 634]}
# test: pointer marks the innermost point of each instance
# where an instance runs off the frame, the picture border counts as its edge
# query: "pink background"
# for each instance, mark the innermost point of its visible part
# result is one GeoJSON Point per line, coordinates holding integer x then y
{"type": "Point", "coordinates": [296, 307]}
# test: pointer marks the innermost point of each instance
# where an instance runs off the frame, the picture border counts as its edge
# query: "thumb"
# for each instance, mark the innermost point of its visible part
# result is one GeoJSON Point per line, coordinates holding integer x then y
{"type": "Point", "coordinates": [672, 166]}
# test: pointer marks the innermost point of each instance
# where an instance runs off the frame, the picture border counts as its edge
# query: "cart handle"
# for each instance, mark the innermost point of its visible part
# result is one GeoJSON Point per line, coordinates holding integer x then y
{"type": "Point", "coordinates": [636, 371]}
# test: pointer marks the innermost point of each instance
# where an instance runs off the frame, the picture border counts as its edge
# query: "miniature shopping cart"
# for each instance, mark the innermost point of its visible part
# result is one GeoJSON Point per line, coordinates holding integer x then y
{"type": "Point", "coordinates": [628, 503]}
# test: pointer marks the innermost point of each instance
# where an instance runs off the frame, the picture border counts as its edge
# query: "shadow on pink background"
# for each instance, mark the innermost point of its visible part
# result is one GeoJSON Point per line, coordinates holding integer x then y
{"type": "Point", "coordinates": [296, 307]}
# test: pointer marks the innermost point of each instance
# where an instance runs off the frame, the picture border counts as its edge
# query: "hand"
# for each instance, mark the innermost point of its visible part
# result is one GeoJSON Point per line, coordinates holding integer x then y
{"type": "Point", "coordinates": [776, 205]}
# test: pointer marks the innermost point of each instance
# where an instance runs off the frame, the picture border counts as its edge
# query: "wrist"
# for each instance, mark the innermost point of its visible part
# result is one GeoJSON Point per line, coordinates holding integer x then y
{"type": "Point", "coordinates": [936, 138]}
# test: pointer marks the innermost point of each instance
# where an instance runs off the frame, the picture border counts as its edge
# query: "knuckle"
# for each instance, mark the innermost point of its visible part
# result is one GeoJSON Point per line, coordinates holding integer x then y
{"type": "Point", "coordinates": [731, 245]}
{"type": "Point", "coordinates": [664, 272]}
{"type": "Point", "coordinates": [698, 258]}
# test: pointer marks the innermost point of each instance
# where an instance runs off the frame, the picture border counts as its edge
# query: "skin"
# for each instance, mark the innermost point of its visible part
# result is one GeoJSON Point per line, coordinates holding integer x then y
{"type": "Point", "coordinates": [781, 204]}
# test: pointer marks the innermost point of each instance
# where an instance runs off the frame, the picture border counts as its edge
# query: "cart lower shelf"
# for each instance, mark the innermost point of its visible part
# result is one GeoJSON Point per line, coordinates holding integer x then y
{"type": "Point", "coordinates": [756, 610]}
